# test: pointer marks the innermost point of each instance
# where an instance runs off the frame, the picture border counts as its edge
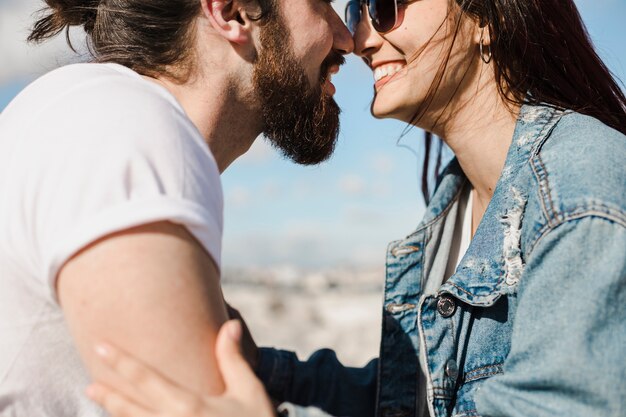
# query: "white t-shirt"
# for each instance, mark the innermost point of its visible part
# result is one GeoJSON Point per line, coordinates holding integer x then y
{"type": "Point", "coordinates": [86, 150]}
{"type": "Point", "coordinates": [460, 243]}
{"type": "Point", "coordinates": [462, 232]}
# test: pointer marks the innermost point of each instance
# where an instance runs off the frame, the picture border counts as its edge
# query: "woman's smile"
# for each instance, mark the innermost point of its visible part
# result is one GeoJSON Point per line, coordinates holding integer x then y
{"type": "Point", "coordinates": [385, 72]}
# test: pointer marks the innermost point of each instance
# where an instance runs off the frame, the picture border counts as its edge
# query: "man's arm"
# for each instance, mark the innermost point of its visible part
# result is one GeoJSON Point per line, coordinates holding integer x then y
{"type": "Point", "coordinates": [154, 292]}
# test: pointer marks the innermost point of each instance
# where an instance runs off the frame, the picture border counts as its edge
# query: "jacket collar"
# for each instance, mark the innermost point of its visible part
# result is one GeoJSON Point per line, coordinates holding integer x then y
{"type": "Point", "coordinates": [493, 263]}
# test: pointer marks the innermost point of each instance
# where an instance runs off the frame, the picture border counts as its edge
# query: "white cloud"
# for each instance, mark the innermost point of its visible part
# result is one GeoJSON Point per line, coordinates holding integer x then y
{"type": "Point", "coordinates": [361, 216]}
{"type": "Point", "coordinates": [305, 189]}
{"type": "Point", "coordinates": [381, 189]}
{"type": "Point", "coordinates": [294, 246]}
{"type": "Point", "coordinates": [21, 60]}
{"type": "Point", "coordinates": [271, 189]}
{"type": "Point", "coordinates": [238, 197]}
{"type": "Point", "coordinates": [352, 185]}
{"type": "Point", "coordinates": [381, 164]}
{"type": "Point", "coordinates": [260, 152]}
{"type": "Point", "coordinates": [311, 243]}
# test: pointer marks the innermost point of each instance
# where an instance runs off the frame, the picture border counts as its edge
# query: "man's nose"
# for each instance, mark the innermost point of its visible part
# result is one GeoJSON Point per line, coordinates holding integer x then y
{"type": "Point", "coordinates": [342, 38]}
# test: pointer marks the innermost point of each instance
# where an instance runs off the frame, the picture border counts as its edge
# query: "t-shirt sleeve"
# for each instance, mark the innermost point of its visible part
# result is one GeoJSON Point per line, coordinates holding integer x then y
{"type": "Point", "coordinates": [115, 166]}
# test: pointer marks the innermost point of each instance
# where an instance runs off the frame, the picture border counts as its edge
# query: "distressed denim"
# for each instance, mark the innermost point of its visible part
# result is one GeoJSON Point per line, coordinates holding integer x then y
{"type": "Point", "coordinates": [533, 321]}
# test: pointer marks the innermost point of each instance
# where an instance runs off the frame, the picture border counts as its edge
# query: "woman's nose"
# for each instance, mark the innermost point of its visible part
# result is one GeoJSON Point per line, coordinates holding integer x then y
{"type": "Point", "coordinates": [366, 39]}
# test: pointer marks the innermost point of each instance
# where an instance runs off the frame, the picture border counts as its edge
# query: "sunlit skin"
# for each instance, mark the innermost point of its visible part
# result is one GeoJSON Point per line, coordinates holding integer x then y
{"type": "Point", "coordinates": [154, 395]}
{"type": "Point", "coordinates": [466, 112]}
{"type": "Point", "coordinates": [227, 84]}
{"type": "Point", "coordinates": [219, 96]}
{"type": "Point", "coordinates": [312, 41]}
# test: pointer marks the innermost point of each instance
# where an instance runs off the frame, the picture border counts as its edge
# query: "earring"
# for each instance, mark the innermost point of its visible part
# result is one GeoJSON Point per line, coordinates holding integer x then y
{"type": "Point", "coordinates": [482, 47]}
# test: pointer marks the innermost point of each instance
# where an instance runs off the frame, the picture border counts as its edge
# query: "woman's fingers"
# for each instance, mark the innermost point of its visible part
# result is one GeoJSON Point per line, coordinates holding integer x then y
{"type": "Point", "coordinates": [116, 404]}
{"type": "Point", "coordinates": [153, 388]}
{"type": "Point", "coordinates": [244, 396]}
{"type": "Point", "coordinates": [248, 345]}
{"type": "Point", "coordinates": [239, 378]}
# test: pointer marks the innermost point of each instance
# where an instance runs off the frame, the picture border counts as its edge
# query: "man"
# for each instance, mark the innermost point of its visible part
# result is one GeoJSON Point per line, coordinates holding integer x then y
{"type": "Point", "coordinates": [145, 278]}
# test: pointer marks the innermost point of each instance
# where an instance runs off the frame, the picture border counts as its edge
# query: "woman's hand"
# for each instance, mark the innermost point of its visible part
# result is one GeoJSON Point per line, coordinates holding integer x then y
{"type": "Point", "coordinates": [153, 395]}
{"type": "Point", "coordinates": [248, 345]}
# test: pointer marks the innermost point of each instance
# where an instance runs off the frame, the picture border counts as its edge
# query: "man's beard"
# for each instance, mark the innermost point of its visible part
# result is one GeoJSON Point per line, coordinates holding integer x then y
{"type": "Point", "coordinates": [300, 120]}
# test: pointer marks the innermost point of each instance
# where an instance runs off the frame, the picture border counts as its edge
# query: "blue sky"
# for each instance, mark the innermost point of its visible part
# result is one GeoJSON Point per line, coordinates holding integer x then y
{"type": "Point", "coordinates": [344, 211]}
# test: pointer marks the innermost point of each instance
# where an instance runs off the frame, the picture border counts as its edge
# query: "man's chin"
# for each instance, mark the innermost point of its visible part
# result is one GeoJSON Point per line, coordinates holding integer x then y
{"type": "Point", "coordinates": [302, 155]}
{"type": "Point", "coordinates": [301, 120]}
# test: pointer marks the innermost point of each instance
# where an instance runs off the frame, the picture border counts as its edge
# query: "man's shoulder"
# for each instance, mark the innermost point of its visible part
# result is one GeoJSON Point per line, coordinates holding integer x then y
{"type": "Point", "coordinates": [109, 88]}
{"type": "Point", "coordinates": [92, 91]}
{"type": "Point", "coordinates": [96, 105]}
{"type": "Point", "coordinates": [94, 118]}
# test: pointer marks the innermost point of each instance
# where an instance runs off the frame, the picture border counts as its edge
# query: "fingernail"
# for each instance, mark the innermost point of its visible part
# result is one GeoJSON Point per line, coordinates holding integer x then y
{"type": "Point", "coordinates": [234, 330]}
{"type": "Point", "coordinates": [103, 351]}
{"type": "Point", "coordinates": [91, 391]}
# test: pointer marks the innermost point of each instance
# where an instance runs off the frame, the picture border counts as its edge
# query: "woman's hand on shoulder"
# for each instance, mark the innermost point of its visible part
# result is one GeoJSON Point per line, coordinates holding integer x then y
{"type": "Point", "coordinates": [149, 394]}
{"type": "Point", "coordinates": [248, 345]}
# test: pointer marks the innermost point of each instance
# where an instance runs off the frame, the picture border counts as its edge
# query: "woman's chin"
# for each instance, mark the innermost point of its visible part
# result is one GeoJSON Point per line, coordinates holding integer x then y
{"type": "Point", "coordinates": [381, 110]}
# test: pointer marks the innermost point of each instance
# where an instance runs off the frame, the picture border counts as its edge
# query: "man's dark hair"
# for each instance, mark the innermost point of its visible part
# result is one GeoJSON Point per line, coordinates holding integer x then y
{"type": "Point", "coordinates": [148, 36]}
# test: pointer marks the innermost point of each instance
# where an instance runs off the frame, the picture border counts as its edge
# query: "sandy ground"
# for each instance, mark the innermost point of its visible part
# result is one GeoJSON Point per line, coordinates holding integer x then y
{"type": "Point", "coordinates": [345, 318]}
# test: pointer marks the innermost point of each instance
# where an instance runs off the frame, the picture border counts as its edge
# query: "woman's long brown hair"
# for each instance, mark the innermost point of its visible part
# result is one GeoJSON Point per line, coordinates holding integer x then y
{"type": "Point", "coordinates": [542, 54]}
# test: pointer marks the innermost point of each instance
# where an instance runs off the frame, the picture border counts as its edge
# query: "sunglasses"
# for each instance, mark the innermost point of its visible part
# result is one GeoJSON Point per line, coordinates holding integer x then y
{"type": "Point", "coordinates": [383, 13]}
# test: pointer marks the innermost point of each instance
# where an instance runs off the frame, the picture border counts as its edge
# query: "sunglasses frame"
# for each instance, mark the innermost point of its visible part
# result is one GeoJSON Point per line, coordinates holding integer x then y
{"type": "Point", "coordinates": [361, 3]}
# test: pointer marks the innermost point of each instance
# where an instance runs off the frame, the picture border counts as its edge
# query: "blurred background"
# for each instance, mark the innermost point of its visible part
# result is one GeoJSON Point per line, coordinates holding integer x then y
{"type": "Point", "coordinates": [304, 247]}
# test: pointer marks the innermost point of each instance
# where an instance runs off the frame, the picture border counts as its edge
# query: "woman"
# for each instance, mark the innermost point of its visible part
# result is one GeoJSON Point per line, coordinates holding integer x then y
{"type": "Point", "coordinates": [509, 297]}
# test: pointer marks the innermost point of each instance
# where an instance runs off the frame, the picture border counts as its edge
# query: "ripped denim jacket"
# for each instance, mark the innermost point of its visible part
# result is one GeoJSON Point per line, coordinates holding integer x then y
{"type": "Point", "coordinates": [532, 323]}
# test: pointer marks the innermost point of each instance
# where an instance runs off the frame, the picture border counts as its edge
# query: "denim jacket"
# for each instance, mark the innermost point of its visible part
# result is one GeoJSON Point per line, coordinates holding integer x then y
{"type": "Point", "coordinates": [533, 321]}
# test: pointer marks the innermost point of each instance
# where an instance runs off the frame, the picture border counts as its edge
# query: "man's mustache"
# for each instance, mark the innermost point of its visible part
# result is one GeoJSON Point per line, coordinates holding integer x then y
{"type": "Point", "coordinates": [334, 58]}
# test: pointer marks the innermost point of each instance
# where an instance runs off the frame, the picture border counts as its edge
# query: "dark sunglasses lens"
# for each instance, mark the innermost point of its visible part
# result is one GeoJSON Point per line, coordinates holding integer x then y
{"type": "Point", "coordinates": [383, 14]}
{"type": "Point", "coordinates": [353, 15]}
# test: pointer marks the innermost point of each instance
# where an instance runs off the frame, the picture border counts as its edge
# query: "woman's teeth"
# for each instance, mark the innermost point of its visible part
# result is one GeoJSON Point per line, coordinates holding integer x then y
{"type": "Point", "coordinates": [386, 71]}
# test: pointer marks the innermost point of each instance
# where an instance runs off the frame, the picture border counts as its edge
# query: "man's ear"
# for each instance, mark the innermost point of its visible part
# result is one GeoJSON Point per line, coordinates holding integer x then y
{"type": "Point", "coordinates": [228, 20]}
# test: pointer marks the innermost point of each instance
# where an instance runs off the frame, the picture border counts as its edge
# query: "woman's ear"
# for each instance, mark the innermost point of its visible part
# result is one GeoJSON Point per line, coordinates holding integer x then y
{"type": "Point", "coordinates": [229, 20]}
{"type": "Point", "coordinates": [482, 38]}
{"type": "Point", "coordinates": [482, 33]}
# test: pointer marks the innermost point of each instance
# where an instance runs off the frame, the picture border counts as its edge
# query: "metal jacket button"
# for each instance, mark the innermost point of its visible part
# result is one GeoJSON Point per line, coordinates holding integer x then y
{"type": "Point", "coordinates": [452, 369]}
{"type": "Point", "coordinates": [446, 306]}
